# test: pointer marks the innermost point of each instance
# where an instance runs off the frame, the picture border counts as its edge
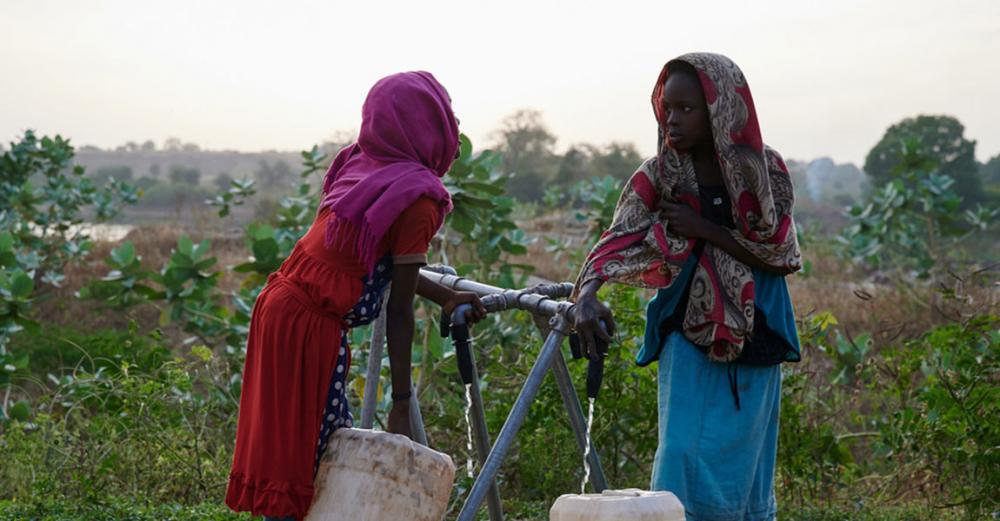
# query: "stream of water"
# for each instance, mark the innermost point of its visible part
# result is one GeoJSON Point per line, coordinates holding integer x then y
{"type": "Point", "coordinates": [586, 449]}
{"type": "Point", "coordinates": [468, 428]}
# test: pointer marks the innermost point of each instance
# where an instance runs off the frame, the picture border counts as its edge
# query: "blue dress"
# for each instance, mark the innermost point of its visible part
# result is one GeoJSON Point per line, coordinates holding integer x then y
{"type": "Point", "coordinates": [718, 422]}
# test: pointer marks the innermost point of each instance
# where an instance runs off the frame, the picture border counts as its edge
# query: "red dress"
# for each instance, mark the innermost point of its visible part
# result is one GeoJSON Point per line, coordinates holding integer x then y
{"type": "Point", "coordinates": [295, 337]}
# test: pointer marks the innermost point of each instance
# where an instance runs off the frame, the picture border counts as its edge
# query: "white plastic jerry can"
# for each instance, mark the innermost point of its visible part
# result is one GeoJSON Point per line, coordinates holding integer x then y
{"type": "Point", "coordinates": [366, 475]}
{"type": "Point", "coordinates": [629, 504]}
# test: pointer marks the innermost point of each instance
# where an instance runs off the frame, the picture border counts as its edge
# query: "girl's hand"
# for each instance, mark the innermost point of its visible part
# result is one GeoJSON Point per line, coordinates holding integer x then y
{"type": "Point", "coordinates": [478, 311]}
{"type": "Point", "coordinates": [684, 221]}
{"type": "Point", "coordinates": [399, 418]}
{"type": "Point", "coordinates": [588, 312]}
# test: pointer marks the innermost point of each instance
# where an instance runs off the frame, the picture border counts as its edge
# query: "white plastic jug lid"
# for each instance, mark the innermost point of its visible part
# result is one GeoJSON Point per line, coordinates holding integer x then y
{"type": "Point", "coordinates": [631, 503]}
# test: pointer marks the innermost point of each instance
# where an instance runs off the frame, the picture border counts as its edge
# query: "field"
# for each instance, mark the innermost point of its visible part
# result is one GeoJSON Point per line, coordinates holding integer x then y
{"type": "Point", "coordinates": [122, 360]}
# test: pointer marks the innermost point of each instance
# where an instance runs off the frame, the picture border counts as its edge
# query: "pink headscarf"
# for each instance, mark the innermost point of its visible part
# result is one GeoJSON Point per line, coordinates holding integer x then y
{"type": "Point", "coordinates": [408, 141]}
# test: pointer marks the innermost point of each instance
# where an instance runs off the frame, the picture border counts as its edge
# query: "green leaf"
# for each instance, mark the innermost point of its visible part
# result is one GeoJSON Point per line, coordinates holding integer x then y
{"type": "Point", "coordinates": [266, 249]}
{"type": "Point", "coordinates": [246, 267]}
{"type": "Point", "coordinates": [204, 264]}
{"type": "Point", "coordinates": [261, 231]}
{"type": "Point", "coordinates": [20, 411]}
{"type": "Point", "coordinates": [124, 254]}
{"type": "Point", "coordinates": [185, 246]}
{"type": "Point", "coordinates": [461, 222]}
{"type": "Point", "coordinates": [436, 346]}
{"type": "Point", "coordinates": [516, 249]}
{"type": "Point", "coordinates": [471, 200]}
{"type": "Point", "coordinates": [202, 249]}
{"type": "Point", "coordinates": [21, 285]}
{"type": "Point", "coordinates": [465, 146]}
{"type": "Point", "coordinates": [489, 188]}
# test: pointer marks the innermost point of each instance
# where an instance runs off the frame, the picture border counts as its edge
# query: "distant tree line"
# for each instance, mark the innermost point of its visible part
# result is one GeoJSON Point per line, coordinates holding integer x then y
{"type": "Point", "coordinates": [528, 150]}
{"type": "Point", "coordinates": [530, 154]}
{"type": "Point", "coordinates": [942, 138]}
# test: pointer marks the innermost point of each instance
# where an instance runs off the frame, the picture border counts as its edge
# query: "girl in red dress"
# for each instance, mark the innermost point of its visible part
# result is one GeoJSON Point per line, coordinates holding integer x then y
{"type": "Point", "coordinates": [383, 202]}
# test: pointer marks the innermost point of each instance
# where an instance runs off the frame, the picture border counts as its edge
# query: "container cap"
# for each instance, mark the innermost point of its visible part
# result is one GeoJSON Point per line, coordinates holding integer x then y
{"type": "Point", "coordinates": [612, 505]}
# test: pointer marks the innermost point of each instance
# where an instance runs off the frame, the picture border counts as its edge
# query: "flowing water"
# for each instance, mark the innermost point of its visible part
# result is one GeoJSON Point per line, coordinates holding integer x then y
{"type": "Point", "coordinates": [468, 428]}
{"type": "Point", "coordinates": [586, 449]}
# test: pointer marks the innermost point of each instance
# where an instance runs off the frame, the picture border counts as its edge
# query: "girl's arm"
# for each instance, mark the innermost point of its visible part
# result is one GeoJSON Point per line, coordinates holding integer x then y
{"type": "Point", "coordinates": [406, 282]}
{"type": "Point", "coordinates": [448, 299]}
{"type": "Point", "coordinates": [683, 220]}
{"type": "Point", "coordinates": [399, 337]}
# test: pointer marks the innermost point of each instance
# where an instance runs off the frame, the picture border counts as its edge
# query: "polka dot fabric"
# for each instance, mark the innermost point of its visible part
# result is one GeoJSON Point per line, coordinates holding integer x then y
{"type": "Point", "coordinates": [336, 413]}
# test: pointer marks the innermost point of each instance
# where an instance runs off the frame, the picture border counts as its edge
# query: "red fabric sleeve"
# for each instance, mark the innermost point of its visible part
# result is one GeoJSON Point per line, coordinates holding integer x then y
{"type": "Point", "coordinates": [411, 234]}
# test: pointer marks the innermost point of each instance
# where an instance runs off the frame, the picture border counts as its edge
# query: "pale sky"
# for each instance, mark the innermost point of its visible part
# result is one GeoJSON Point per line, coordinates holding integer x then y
{"type": "Point", "coordinates": [828, 77]}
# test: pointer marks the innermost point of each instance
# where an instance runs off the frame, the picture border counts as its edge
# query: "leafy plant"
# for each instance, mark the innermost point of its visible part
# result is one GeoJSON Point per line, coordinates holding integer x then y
{"type": "Point", "coordinates": [43, 203]}
{"type": "Point", "coordinates": [913, 220]}
{"type": "Point", "coordinates": [479, 233]}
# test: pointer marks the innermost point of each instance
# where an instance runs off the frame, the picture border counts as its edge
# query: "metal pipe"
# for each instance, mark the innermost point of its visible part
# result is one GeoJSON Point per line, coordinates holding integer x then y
{"type": "Point", "coordinates": [576, 420]}
{"type": "Point", "coordinates": [442, 269]}
{"type": "Point", "coordinates": [514, 420]}
{"type": "Point", "coordinates": [470, 377]}
{"type": "Point", "coordinates": [439, 275]}
{"type": "Point", "coordinates": [482, 438]}
{"type": "Point", "coordinates": [458, 283]}
{"type": "Point", "coordinates": [417, 420]}
{"type": "Point", "coordinates": [374, 371]}
{"type": "Point", "coordinates": [526, 301]}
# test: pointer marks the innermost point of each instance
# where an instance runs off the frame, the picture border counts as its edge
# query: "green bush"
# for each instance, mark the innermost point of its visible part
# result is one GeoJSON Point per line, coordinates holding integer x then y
{"type": "Point", "coordinates": [44, 199]}
{"type": "Point", "coordinates": [174, 194]}
{"type": "Point", "coordinates": [914, 221]}
{"type": "Point", "coordinates": [944, 431]}
{"type": "Point", "coordinates": [113, 508]}
{"type": "Point", "coordinates": [55, 349]}
{"type": "Point", "coordinates": [164, 434]}
{"type": "Point", "coordinates": [914, 420]}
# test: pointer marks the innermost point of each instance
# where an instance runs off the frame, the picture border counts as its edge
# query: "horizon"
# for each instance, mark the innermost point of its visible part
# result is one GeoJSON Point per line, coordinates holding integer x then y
{"type": "Point", "coordinates": [160, 148]}
{"type": "Point", "coordinates": [253, 77]}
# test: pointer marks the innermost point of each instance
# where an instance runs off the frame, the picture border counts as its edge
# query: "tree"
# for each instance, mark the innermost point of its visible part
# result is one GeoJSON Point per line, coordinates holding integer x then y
{"type": "Point", "coordinates": [574, 165]}
{"type": "Point", "coordinates": [527, 149]}
{"type": "Point", "coordinates": [42, 195]}
{"type": "Point", "coordinates": [222, 181]}
{"type": "Point", "coordinates": [912, 221]}
{"type": "Point", "coordinates": [148, 146]}
{"type": "Point", "coordinates": [278, 174]}
{"type": "Point", "coordinates": [119, 173]}
{"type": "Point", "coordinates": [989, 172]}
{"type": "Point", "coordinates": [184, 175]}
{"type": "Point", "coordinates": [172, 144]}
{"type": "Point", "coordinates": [941, 137]}
{"type": "Point", "coordinates": [145, 183]}
{"type": "Point", "coordinates": [827, 182]}
{"type": "Point", "coordinates": [337, 141]}
{"type": "Point", "coordinates": [618, 160]}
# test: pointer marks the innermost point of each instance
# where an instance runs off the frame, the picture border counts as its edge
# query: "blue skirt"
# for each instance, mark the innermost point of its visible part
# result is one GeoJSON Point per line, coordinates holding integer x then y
{"type": "Point", "coordinates": [718, 460]}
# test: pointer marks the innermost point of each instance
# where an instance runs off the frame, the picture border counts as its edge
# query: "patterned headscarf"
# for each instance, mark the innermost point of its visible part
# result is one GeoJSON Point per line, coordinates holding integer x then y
{"type": "Point", "coordinates": [639, 250]}
{"type": "Point", "coordinates": [408, 141]}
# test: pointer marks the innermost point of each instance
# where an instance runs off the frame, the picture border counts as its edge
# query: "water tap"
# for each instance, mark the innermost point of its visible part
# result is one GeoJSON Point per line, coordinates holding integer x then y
{"type": "Point", "coordinates": [595, 364]}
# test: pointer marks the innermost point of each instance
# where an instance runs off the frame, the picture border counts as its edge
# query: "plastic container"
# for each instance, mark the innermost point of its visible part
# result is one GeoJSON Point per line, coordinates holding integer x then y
{"type": "Point", "coordinates": [366, 475]}
{"type": "Point", "coordinates": [618, 505]}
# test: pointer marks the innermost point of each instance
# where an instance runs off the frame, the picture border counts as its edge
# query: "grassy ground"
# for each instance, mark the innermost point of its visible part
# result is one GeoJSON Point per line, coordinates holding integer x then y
{"type": "Point", "coordinates": [112, 509]}
{"type": "Point", "coordinates": [881, 307]}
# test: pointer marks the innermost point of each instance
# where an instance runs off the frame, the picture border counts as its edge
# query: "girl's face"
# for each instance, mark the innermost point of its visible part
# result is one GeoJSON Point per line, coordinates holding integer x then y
{"type": "Point", "coordinates": [688, 124]}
